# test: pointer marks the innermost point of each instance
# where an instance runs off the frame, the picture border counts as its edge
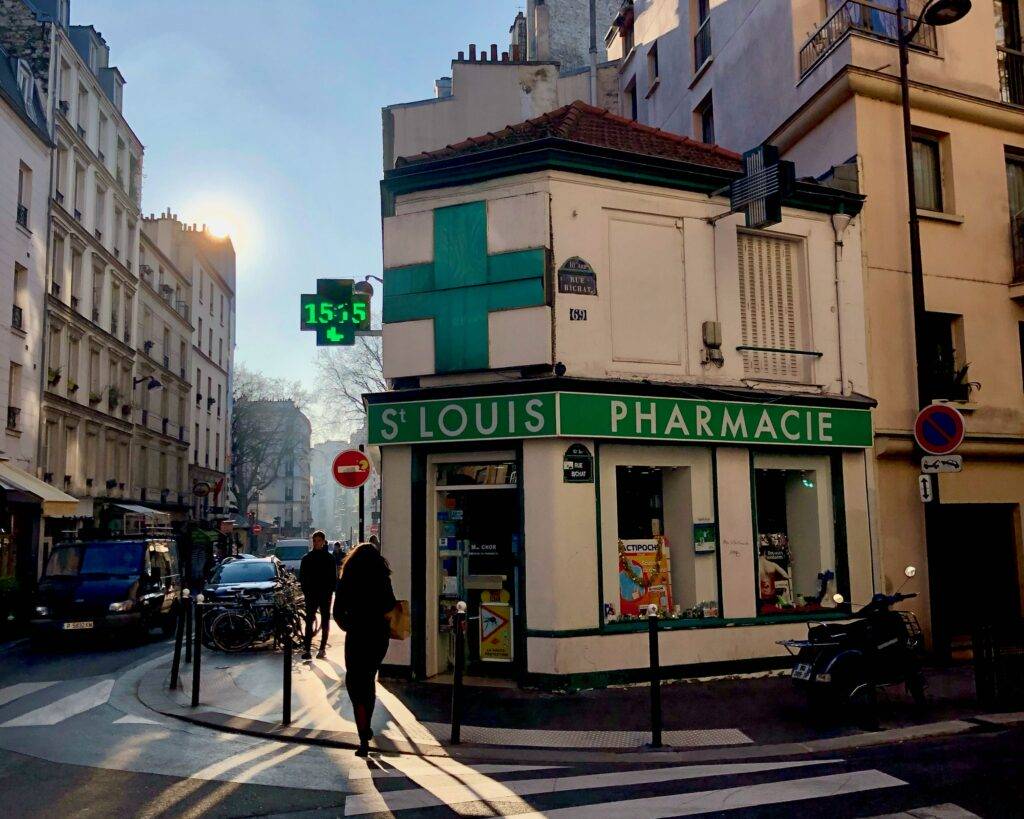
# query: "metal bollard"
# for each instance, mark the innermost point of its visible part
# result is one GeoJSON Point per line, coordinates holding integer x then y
{"type": "Point", "coordinates": [179, 635]}
{"type": "Point", "coordinates": [197, 649]}
{"type": "Point", "coordinates": [286, 687]}
{"type": "Point", "coordinates": [652, 632]}
{"type": "Point", "coordinates": [189, 605]}
{"type": "Point", "coordinates": [460, 659]}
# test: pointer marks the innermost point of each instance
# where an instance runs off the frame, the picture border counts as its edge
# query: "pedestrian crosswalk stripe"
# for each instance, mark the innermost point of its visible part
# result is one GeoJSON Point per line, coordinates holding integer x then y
{"type": "Point", "coordinates": [944, 811]}
{"type": "Point", "coordinates": [62, 709]}
{"type": "Point", "coordinates": [439, 767]}
{"type": "Point", "coordinates": [19, 690]}
{"type": "Point", "coordinates": [135, 720]}
{"type": "Point", "coordinates": [742, 796]}
{"type": "Point", "coordinates": [459, 790]}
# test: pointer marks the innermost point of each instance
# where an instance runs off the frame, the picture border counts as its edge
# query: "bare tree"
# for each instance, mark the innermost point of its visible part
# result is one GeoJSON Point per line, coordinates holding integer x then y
{"type": "Point", "coordinates": [346, 373]}
{"type": "Point", "coordinates": [266, 430]}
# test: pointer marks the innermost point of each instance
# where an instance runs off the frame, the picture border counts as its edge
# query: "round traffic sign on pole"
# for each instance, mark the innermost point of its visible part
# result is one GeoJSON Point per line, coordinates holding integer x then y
{"type": "Point", "coordinates": [939, 429]}
{"type": "Point", "coordinates": [256, 529]}
{"type": "Point", "coordinates": [351, 468]}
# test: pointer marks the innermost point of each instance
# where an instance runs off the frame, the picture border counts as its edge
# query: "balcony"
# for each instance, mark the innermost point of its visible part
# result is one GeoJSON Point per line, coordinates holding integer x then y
{"type": "Point", "coordinates": [702, 44]}
{"type": "Point", "coordinates": [1011, 75]}
{"type": "Point", "coordinates": [17, 317]}
{"type": "Point", "coordinates": [870, 19]}
{"type": "Point", "coordinates": [12, 417]}
{"type": "Point", "coordinates": [184, 310]}
{"type": "Point", "coordinates": [59, 197]}
{"type": "Point", "coordinates": [74, 302]}
{"type": "Point", "coordinates": [99, 234]}
{"type": "Point", "coordinates": [64, 107]}
{"type": "Point", "coordinates": [23, 216]}
{"type": "Point", "coordinates": [55, 289]}
{"type": "Point", "coordinates": [81, 131]}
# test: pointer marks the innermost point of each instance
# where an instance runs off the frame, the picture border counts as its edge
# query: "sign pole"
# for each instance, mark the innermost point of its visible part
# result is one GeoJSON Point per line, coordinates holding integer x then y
{"type": "Point", "coordinates": [362, 533]}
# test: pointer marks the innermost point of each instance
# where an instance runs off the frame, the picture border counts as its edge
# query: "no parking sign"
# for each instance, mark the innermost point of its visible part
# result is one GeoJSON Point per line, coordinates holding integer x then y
{"type": "Point", "coordinates": [939, 429]}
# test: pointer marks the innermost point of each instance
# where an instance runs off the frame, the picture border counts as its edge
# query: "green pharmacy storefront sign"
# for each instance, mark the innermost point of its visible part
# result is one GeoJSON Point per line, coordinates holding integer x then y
{"type": "Point", "coordinates": [591, 415]}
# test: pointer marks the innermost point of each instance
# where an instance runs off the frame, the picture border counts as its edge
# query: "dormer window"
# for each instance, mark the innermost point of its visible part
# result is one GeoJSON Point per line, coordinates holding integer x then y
{"type": "Point", "coordinates": [25, 83]}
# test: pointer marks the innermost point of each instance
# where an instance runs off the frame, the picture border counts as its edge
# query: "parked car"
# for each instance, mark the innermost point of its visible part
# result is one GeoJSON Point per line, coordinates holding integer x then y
{"type": "Point", "coordinates": [290, 552]}
{"type": "Point", "coordinates": [259, 575]}
{"type": "Point", "coordinates": [114, 584]}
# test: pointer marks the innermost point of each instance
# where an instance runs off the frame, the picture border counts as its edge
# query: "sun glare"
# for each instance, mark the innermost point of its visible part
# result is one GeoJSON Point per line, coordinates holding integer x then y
{"type": "Point", "coordinates": [223, 217]}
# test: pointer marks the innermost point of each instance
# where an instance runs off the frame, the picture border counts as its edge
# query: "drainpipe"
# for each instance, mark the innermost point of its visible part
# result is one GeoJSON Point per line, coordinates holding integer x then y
{"type": "Point", "coordinates": [840, 222]}
{"type": "Point", "coordinates": [593, 52]}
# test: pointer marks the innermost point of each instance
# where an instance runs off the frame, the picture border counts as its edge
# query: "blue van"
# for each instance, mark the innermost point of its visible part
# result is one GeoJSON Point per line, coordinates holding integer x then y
{"type": "Point", "coordinates": [125, 585]}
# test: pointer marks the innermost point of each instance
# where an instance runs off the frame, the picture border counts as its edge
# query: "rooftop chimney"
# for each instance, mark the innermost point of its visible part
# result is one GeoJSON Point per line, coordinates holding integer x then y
{"type": "Point", "coordinates": [443, 87]}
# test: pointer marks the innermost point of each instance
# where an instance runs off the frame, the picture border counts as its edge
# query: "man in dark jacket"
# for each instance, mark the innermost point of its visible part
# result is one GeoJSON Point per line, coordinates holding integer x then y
{"type": "Point", "coordinates": [317, 576]}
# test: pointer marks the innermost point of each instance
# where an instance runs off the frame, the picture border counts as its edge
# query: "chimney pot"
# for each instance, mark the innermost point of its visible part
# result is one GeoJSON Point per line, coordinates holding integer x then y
{"type": "Point", "coordinates": [472, 53]}
{"type": "Point", "coordinates": [494, 52]}
{"type": "Point", "coordinates": [515, 53]}
{"type": "Point", "coordinates": [504, 56]}
{"type": "Point", "coordinates": [462, 55]}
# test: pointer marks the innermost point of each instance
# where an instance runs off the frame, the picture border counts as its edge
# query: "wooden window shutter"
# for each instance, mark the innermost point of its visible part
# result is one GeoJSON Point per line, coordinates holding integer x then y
{"type": "Point", "coordinates": [770, 307]}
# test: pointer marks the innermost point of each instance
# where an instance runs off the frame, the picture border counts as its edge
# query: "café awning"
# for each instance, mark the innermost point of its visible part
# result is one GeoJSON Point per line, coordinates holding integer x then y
{"type": "Point", "coordinates": [145, 511]}
{"type": "Point", "coordinates": [56, 504]}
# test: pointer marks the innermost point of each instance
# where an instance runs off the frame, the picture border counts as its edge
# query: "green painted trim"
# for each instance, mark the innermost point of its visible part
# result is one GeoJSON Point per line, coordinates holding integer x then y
{"type": "Point", "coordinates": [566, 155]}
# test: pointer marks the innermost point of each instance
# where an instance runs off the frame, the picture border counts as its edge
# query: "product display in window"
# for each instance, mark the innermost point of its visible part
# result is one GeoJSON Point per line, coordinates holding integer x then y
{"type": "Point", "coordinates": [795, 550]}
{"type": "Point", "coordinates": [645, 576]}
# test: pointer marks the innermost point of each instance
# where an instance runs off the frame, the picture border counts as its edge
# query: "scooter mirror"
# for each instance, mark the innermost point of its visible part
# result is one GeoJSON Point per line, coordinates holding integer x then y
{"type": "Point", "coordinates": [838, 598]}
{"type": "Point", "coordinates": [910, 571]}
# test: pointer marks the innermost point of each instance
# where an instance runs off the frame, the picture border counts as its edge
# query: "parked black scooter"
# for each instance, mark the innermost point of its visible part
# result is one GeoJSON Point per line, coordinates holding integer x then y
{"type": "Point", "coordinates": [841, 665]}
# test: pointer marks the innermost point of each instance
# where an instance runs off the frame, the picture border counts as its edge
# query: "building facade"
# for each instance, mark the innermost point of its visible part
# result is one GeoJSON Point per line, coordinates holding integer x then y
{"type": "Point", "coordinates": [162, 382]}
{"type": "Point", "coordinates": [24, 192]}
{"type": "Point", "coordinates": [644, 403]}
{"type": "Point", "coordinates": [820, 81]}
{"type": "Point", "coordinates": [208, 263]}
{"type": "Point", "coordinates": [284, 500]}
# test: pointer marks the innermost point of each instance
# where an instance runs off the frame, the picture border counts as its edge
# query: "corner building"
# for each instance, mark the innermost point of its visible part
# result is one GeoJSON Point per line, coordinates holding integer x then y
{"type": "Point", "coordinates": [603, 400]}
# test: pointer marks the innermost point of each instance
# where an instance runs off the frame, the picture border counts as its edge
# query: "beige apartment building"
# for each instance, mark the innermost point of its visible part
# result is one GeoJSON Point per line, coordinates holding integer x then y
{"type": "Point", "coordinates": [820, 81]}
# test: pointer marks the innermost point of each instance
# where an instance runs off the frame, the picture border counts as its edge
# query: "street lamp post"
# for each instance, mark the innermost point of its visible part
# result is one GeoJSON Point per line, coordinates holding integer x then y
{"type": "Point", "coordinates": [934, 13]}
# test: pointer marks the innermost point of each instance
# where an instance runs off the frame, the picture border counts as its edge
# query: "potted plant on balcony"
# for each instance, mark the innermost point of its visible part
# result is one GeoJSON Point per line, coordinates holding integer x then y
{"type": "Point", "coordinates": [126, 409]}
{"type": "Point", "coordinates": [113, 396]}
{"type": "Point", "coordinates": [72, 386]}
{"type": "Point", "coordinates": [53, 376]}
{"type": "Point", "coordinates": [95, 397]}
{"type": "Point", "coordinates": [962, 385]}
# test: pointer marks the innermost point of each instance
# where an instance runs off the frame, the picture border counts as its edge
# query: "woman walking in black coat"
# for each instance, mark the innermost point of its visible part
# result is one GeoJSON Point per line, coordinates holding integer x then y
{"type": "Point", "coordinates": [363, 598]}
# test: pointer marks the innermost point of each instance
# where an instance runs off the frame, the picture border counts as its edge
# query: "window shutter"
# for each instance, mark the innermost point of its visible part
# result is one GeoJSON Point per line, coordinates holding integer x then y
{"type": "Point", "coordinates": [770, 307]}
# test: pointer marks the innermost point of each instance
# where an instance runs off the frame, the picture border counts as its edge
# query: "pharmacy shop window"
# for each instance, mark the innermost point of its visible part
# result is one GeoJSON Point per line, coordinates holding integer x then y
{"type": "Point", "coordinates": [666, 549]}
{"type": "Point", "coordinates": [796, 551]}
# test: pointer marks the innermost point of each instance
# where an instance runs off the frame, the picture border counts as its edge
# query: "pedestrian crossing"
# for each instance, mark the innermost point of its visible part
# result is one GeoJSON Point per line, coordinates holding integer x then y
{"type": "Point", "coordinates": [55, 711]}
{"type": "Point", "coordinates": [660, 791]}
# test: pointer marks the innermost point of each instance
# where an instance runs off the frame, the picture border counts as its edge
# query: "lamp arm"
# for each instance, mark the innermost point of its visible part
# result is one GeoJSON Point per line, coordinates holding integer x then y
{"type": "Point", "coordinates": [910, 35]}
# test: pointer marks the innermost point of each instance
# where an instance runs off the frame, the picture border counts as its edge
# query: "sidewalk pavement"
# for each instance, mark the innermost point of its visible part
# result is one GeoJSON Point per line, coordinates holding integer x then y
{"type": "Point", "coordinates": [733, 717]}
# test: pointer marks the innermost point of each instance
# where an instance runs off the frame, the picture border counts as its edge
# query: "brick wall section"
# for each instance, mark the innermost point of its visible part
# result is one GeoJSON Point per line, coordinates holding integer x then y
{"type": "Point", "coordinates": [23, 36]}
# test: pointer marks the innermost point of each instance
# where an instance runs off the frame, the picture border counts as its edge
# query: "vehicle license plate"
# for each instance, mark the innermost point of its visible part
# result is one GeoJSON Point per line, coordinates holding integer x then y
{"type": "Point", "coordinates": [76, 626]}
{"type": "Point", "coordinates": [802, 671]}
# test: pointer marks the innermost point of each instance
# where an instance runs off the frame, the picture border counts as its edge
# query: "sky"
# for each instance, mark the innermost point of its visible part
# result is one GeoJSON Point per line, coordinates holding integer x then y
{"type": "Point", "coordinates": [263, 119]}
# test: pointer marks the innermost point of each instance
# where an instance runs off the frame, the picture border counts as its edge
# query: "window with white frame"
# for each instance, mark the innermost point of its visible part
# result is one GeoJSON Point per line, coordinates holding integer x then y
{"type": "Point", "coordinates": [773, 308]}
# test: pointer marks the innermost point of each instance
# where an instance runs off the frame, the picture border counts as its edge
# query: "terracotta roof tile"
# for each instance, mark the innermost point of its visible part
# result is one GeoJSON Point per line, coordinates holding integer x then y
{"type": "Point", "coordinates": [580, 122]}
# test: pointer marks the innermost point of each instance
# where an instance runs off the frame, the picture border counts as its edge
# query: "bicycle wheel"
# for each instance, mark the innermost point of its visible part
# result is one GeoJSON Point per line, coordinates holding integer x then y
{"type": "Point", "coordinates": [233, 631]}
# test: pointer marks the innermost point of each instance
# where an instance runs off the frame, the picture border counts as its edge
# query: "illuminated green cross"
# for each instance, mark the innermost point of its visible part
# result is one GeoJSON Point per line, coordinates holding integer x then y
{"type": "Point", "coordinates": [463, 285]}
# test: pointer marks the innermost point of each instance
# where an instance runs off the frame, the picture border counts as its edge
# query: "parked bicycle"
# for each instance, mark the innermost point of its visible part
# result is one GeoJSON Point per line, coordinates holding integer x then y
{"type": "Point", "coordinates": [249, 618]}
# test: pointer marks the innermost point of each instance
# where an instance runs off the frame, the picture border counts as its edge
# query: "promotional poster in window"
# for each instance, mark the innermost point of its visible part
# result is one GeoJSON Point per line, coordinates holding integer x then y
{"type": "Point", "coordinates": [644, 576]}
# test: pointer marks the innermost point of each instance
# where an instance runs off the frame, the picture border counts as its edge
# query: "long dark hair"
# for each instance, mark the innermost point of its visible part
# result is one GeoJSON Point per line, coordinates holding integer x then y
{"type": "Point", "coordinates": [365, 559]}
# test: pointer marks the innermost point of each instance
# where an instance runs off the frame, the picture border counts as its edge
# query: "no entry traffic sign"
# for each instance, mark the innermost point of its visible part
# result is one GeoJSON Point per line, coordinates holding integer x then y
{"type": "Point", "coordinates": [939, 429]}
{"type": "Point", "coordinates": [351, 468]}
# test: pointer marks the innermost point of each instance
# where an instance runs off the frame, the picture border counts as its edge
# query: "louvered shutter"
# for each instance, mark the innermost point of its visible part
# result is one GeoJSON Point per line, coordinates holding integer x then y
{"type": "Point", "coordinates": [770, 307]}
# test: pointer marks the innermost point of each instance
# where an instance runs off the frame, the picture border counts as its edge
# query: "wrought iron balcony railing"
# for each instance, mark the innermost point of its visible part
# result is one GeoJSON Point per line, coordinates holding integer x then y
{"type": "Point", "coordinates": [23, 216]}
{"type": "Point", "coordinates": [875, 20]}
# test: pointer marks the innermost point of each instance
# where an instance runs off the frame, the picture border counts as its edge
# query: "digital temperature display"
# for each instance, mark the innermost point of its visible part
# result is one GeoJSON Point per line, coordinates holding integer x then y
{"type": "Point", "coordinates": [334, 312]}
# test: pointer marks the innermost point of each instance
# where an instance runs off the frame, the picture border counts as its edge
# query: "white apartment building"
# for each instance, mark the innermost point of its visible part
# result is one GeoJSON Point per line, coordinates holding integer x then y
{"type": "Point", "coordinates": [285, 501]}
{"type": "Point", "coordinates": [208, 262]}
{"type": "Point", "coordinates": [24, 177]}
{"type": "Point", "coordinates": [163, 400]}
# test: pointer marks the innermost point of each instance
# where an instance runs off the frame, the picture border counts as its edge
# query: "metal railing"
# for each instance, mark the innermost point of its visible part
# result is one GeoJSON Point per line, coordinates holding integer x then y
{"type": "Point", "coordinates": [872, 19]}
{"type": "Point", "coordinates": [12, 417]}
{"type": "Point", "coordinates": [23, 216]}
{"type": "Point", "coordinates": [1011, 75]}
{"type": "Point", "coordinates": [702, 44]}
{"type": "Point", "coordinates": [17, 317]}
{"type": "Point", "coordinates": [1017, 244]}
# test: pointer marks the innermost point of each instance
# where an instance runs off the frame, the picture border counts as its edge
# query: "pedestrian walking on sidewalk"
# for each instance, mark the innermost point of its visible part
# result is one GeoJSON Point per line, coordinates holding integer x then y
{"type": "Point", "coordinates": [363, 599]}
{"type": "Point", "coordinates": [317, 577]}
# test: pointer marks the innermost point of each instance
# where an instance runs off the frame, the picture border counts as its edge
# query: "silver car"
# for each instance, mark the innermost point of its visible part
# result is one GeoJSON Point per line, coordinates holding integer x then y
{"type": "Point", "coordinates": [290, 552]}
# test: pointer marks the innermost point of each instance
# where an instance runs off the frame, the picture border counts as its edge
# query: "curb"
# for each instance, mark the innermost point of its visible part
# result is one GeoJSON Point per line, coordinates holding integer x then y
{"type": "Point", "coordinates": [152, 693]}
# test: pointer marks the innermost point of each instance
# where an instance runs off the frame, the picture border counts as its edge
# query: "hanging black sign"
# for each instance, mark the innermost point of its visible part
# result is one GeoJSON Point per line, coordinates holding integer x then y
{"type": "Point", "coordinates": [577, 465]}
{"type": "Point", "coordinates": [577, 277]}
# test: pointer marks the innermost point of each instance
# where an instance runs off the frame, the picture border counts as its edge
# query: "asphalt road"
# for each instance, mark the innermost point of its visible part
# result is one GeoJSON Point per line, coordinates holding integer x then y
{"type": "Point", "coordinates": [76, 742]}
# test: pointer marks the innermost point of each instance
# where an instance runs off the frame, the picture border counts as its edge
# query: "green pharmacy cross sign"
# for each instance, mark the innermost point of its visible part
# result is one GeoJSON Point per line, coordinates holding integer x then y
{"type": "Point", "coordinates": [335, 312]}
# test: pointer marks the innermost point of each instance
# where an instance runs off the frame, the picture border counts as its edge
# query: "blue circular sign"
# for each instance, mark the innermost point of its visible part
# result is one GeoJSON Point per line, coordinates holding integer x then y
{"type": "Point", "coordinates": [939, 429]}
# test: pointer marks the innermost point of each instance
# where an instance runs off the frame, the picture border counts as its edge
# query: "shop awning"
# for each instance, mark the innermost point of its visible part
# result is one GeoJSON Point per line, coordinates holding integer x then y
{"type": "Point", "coordinates": [56, 504]}
{"type": "Point", "coordinates": [145, 511]}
